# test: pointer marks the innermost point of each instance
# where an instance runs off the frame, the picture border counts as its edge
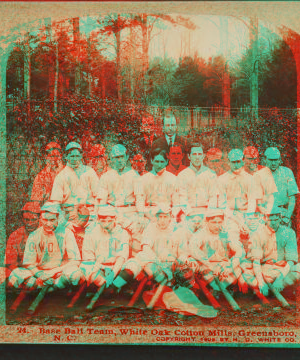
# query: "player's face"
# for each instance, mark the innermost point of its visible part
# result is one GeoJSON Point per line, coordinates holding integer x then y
{"type": "Point", "coordinates": [69, 212]}
{"type": "Point", "coordinates": [196, 156]}
{"type": "Point", "coordinates": [236, 166]}
{"type": "Point", "coordinates": [175, 156]}
{"type": "Point", "coordinates": [74, 158]}
{"type": "Point", "coordinates": [49, 221]}
{"type": "Point", "coordinates": [170, 126]}
{"type": "Point", "coordinates": [147, 125]}
{"type": "Point", "coordinates": [195, 222]}
{"type": "Point", "coordinates": [215, 164]}
{"type": "Point", "coordinates": [30, 221]}
{"type": "Point", "coordinates": [159, 163]}
{"type": "Point", "coordinates": [107, 222]}
{"type": "Point", "coordinates": [98, 163]}
{"type": "Point", "coordinates": [138, 163]}
{"type": "Point", "coordinates": [251, 163]}
{"type": "Point", "coordinates": [273, 221]}
{"type": "Point", "coordinates": [215, 224]}
{"type": "Point", "coordinates": [163, 220]}
{"type": "Point", "coordinates": [119, 161]}
{"type": "Point", "coordinates": [54, 158]}
{"type": "Point", "coordinates": [273, 164]}
{"type": "Point", "coordinates": [252, 221]}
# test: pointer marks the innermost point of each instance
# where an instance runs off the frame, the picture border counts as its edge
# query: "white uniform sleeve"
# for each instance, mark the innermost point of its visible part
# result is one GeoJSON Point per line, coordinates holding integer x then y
{"type": "Point", "coordinates": [57, 193]}
{"type": "Point", "coordinates": [88, 248]}
{"type": "Point", "coordinates": [70, 246]}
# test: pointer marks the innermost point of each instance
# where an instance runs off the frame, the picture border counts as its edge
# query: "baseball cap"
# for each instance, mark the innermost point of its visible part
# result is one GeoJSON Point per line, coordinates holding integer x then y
{"type": "Point", "coordinates": [32, 206]}
{"type": "Point", "coordinates": [118, 150]}
{"type": "Point", "coordinates": [272, 153]}
{"type": "Point", "coordinates": [235, 155]}
{"type": "Point", "coordinates": [106, 210]}
{"type": "Point", "coordinates": [193, 211]}
{"type": "Point", "coordinates": [53, 146]}
{"type": "Point", "coordinates": [51, 207]}
{"type": "Point", "coordinates": [251, 152]}
{"type": "Point", "coordinates": [73, 145]}
{"type": "Point", "coordinates": [214, 154]}
{"type": "Point", "coordinates": [97, 150]}
{"type": "Point", "coordinates": [213, 212]}
{"type": "Point", "coordinates": [163, 209]}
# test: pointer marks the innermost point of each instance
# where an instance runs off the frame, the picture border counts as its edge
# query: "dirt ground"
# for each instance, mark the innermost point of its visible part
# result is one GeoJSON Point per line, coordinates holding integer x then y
{"type": "Point", "coordinates": [114, 311]}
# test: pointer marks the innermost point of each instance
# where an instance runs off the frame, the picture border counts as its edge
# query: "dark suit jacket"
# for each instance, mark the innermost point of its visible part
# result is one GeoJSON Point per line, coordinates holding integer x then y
{"type": "Point", "coordinates": [162, 143]}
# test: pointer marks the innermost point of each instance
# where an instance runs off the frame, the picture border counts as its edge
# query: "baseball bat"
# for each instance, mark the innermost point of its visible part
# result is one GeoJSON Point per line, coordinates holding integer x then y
{"type": "Point", "coordinates": [18, 301]}
{"type": "Point", "coordinates": [208, 294]}
{"type": "Point", "coordinates": [278, 296]}
{"type": "Point", "coordinates": [95, 297]}
{"type": "Point", "coordinates": [77, 295]}
{"type": "Point", "coordinates": [157, 294]}
{"type": "Point", "coordinates": [227, 295]}
{"type": "Point", "coordinates": [138, 291]}
{"type": "Point", "coordinates": [38, 299]}
{"type": "Point", "coordinates": [261, 297]}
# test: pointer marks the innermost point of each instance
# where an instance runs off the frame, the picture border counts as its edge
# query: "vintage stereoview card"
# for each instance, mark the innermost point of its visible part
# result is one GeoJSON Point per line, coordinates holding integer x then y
{"type": "Point", "coordinates": [149, 183]}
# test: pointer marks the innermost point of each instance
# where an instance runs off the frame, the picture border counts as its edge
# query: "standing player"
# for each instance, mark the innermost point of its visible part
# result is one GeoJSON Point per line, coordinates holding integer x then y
{"type": "Point", "coordinates": [76, 183]}
{"type": "Point", "coordinates": [285, 182]}
{"type": "Point", "coordinates": [262, 177]}
{"type": "Point", "coordinates": [96, 159]}
{"type": "Point", "coordinates": [215, 161]}
{"type": "Point", "coordinates": [198, 185]}
{"type": "Point", "coordinates": [175, 156]}
{"type": "Point", "coordinates": [237, 193]}
{"type": "Point", "coordinates": [49, 252]}
{"type": "Point", "coordinates": [159, 185]}
{"type": "Point", "coordinates": [44, 180]}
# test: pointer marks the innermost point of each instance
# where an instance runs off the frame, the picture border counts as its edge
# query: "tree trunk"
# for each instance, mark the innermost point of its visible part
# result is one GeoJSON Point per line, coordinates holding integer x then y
{"type": "Point", "coordinates": [226, 76]}
{"type": "Point", "coordinates": [27, 74]}
{"type": "Point", "coordinates": [118, 62]}
{"type": "Point", "coordinates": [90, 80]}
{"type": "Point", "coordinates": [132, 63]}
{"type": "Point", "coordinates": [145, 46]}
{"type": "Point", "coordinates": [56, 77]}
{"type": "Point", "coordinates": [76, 36]}
{"type": "Point", "coordinates": [254, 75]}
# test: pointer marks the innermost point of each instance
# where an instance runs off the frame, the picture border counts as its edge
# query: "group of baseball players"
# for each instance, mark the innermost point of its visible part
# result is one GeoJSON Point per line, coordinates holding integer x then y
{"type": "Point", "coordinates": [161, 216]}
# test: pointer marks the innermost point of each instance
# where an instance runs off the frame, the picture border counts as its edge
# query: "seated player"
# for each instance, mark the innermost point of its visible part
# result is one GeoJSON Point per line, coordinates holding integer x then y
{"type": "Point", "coordinates": [156, 256]}
{"type": "Point", "coordinates": [105, 249]}
{"type": "Point", "coordinates": [175, 155]}
{"type": "Point", "coordinates": [211, 247]}
{"type": "Point", "coordinates": [193, 222]}
{"type": "Point", "coordinates": [49, 254]}
{"type": "Point", "coordinates": [15, 247]}
{"type": "Point", "coordinates": [262, 266]}
{"type": "Point", "coordinates": [160, 186]}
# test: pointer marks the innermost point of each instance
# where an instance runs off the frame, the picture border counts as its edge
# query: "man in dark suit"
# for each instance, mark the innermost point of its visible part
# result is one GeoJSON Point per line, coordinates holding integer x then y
{"type": "Point", "coordinates": [170, 135]}
{"type": "Point", "coordinates": [148, 137]}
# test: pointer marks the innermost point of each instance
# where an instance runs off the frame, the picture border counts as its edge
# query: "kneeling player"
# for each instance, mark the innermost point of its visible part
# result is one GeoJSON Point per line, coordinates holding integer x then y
{"type": "Point", "coordinates": [212, 247]}
{"type": "Point", "coordinates": [105, 249]}
{"type": "Point", "coordinates": [50, 251]}
{"type": "Point", "coordinates": [272, 255]}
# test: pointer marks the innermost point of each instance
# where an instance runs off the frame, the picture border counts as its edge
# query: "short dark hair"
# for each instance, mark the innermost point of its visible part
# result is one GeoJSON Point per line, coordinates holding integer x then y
{"type": "Point", "coordinates": [159, 151]}
{"type": "Point", "coordinates": [176, 144]}
{"type": "Point", "coordinates": [195, 144]}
